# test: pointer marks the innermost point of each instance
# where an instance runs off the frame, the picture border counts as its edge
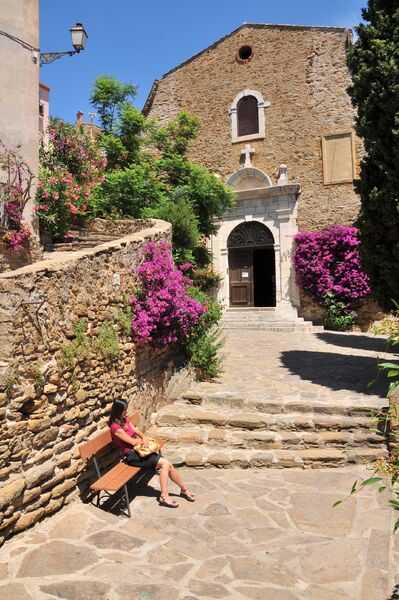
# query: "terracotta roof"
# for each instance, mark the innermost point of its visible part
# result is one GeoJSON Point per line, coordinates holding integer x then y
{"type": "Point", "coordinates": [151, 95]}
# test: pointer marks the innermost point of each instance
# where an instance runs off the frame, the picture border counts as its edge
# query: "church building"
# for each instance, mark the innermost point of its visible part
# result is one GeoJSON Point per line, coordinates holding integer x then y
{"type": "Point", "coordinates": [277, 126]}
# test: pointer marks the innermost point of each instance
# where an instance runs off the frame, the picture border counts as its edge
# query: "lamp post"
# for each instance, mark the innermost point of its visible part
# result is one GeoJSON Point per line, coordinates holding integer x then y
{"type": "Point", "coordinates": [79, 39]}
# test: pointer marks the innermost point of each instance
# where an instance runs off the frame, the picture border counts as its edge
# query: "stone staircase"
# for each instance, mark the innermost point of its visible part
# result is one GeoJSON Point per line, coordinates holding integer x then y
{"type": "Point", "coordinates": [223, 430]}
{"type": "Point", "coordinates": [281, 318]}
{"type": "Point", "coordinates": [80, 239]}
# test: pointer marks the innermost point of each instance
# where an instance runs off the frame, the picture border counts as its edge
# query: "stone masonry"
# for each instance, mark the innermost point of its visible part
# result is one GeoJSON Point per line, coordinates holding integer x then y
{"type": "Point", "coordinates": [302, 72]}
{"type": "Point", "coordinates": [55, 389]}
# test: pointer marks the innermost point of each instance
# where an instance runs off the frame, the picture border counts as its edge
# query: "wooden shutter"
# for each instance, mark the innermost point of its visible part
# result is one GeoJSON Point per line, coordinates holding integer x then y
{"type": "Point", "coordinates": [247, 115]}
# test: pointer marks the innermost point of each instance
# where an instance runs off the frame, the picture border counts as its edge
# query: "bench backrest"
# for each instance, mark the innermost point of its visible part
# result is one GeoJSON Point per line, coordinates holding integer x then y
{"type": "Point", "coordinates": [101, 440]}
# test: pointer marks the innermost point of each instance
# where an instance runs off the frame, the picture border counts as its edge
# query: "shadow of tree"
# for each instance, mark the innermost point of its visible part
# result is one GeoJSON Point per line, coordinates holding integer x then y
{"type": "Point", "coordinates": [358, 342]}
{"type": "Point", "coordinates": [337, 371]}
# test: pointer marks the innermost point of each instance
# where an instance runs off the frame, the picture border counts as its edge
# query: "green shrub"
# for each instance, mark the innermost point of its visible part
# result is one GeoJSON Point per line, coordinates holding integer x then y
{"type": "Point", "coordinates": [204, 352]}
{"type": "Point", "coordinates": [185, 227]}
{"type": "Point", "coordinates": [126, 192]}
{"type": "Point", "coordinates": [338, 316]}
{"type": "Point", "coordinates": [205, 341]}
{"type": "Point", "coordinates": [107, 341]}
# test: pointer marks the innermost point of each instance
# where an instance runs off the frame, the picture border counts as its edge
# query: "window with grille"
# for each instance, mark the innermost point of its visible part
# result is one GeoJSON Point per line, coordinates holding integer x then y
{"type": "Point", "coordinates": [247, 116]}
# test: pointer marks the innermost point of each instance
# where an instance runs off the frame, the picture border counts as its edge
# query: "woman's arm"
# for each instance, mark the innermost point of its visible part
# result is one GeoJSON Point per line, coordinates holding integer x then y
{"type": "Point", "coordinates": [141, 435]}
{"type": "Point", "coordinates": [122, 435]}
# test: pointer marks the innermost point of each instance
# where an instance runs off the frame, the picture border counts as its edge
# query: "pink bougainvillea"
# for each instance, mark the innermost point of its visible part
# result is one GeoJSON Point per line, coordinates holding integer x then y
{"type": "Point", "coordinates": [163, 311]}
{"type": "Point", "coordinates": [328, 262]}
{"type": "Point", "coordinates": [14, 194]}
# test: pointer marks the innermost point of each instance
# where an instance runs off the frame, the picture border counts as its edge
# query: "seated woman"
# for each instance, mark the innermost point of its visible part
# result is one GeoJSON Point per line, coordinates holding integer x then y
{"type": "Point", "coordinates": [126, 437]}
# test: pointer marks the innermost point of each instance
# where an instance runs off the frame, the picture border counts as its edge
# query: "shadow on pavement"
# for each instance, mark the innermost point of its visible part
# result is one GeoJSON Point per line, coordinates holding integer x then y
{"type": "Point", "coordinates": [357, 342]}
{"type": "Point", "coordinates": [395, 593]}
{"type": "Point", "coordinates": [115, 503]}
{"type": "Point", "coordinates": [337, 371]}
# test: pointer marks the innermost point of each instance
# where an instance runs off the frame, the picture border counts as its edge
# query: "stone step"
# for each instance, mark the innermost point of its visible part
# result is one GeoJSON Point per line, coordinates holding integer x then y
{"type": "Point", "coordinates": [180, 416]}
{"type": "Point", "coordinates": [221, 439]}
{"type": "Point", "coordinates": [281, 405]}
{"type": "Point", "coordinates": [271, 327]}
{"type": "Point", "coordinates": [192, 456]}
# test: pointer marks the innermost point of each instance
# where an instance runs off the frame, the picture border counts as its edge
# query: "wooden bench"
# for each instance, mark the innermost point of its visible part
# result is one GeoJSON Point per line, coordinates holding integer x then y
{"type": "Point", "coordinates": [119, 475]}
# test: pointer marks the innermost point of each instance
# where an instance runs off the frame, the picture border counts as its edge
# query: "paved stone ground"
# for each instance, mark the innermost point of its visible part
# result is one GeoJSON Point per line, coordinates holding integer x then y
{"type": "Point", "coordinates": [252, 534]}
{"type": "Point", "coordinates": [326, 367]}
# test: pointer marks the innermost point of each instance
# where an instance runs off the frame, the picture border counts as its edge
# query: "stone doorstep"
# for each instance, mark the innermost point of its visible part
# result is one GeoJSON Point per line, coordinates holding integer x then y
{"type": "Point", "coordinates": [314, 458]}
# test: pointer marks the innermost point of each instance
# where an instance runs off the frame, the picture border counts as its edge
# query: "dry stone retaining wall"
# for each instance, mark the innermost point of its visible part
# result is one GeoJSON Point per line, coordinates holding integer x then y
{"type": "Point", "coordinates": [56, 392]}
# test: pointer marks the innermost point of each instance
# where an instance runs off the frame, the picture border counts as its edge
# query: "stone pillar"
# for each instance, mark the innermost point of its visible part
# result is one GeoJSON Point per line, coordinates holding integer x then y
{"type": "Point", "coordinates": [19, 84]}
{"type": "Point", "coordinates": [286, 234]}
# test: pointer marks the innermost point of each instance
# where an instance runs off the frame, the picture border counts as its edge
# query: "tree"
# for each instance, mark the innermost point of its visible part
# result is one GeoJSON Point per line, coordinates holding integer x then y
{"type": "Point", "coordinates": [108, 97]}
{"type": "Point", "coordinates": [148, 173]}
{"type": "Point", "coordinates": [374, 62]}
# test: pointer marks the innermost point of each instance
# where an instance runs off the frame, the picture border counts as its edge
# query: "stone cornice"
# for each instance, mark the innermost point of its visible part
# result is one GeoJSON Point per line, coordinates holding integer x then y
{"type": "Point", "coordinates": [278, 190]}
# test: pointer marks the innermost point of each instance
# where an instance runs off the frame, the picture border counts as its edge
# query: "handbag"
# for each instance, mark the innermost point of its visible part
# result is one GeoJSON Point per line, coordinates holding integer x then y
{"type": "Point", "coordinates": [143, 451]}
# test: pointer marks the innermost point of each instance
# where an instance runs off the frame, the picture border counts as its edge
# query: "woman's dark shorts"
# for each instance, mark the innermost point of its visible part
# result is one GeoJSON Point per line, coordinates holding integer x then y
{"type": "Point", "coordinates": [149, 462]}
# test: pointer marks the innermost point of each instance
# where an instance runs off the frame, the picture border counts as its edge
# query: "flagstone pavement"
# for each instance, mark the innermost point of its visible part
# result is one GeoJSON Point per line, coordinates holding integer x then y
{"type": "Point", "coordinates": [251, 534]}
{"type": "Point", "coordinates": [255, 534]}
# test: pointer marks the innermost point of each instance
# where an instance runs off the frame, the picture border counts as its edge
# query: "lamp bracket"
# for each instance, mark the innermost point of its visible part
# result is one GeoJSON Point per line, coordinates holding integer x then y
{"type": "Point", "coordinates": [49, 57]}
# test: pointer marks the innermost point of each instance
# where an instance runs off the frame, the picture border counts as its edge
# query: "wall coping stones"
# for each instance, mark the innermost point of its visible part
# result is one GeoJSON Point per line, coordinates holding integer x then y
{"type": "Point", "coordinates": [64, 262]}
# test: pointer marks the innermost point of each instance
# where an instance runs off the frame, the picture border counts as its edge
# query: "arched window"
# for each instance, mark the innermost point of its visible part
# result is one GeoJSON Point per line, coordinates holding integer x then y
{"type": "Point", "coordinates": [247, 116]}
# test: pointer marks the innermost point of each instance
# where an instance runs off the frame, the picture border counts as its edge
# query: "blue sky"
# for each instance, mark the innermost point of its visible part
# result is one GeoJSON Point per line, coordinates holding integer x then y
{"type": "Point", "coordinates": [139, 41]}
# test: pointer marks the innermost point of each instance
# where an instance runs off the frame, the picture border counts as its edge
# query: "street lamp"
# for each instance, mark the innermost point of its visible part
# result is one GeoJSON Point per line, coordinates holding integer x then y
{"type": "Point", "coordinates": [79, 39]}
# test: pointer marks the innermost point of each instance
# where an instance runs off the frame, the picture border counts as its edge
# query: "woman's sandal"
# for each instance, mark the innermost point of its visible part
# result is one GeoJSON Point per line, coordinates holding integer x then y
{"type": "Point", "coordinates": [170, 504]}
{"type": "Point", "coordinates": [190, 497]}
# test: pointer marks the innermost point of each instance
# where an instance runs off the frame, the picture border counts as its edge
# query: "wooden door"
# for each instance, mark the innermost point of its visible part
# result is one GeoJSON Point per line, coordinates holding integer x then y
{"type": "Point", "coordinates": [241, 277]}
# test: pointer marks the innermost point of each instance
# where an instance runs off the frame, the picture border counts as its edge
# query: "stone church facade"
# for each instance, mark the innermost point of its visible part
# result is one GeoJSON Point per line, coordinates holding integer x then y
{"type": "Point", "coordinates": [276, 125]}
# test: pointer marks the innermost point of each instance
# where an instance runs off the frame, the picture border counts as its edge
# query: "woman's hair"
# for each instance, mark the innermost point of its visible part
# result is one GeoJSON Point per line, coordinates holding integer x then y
{"type": "Point", "coordinates": [118, 406]}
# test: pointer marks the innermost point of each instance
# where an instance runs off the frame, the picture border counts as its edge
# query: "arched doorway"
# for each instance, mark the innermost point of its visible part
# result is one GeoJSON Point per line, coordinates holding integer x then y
{"type": "Point", "coordinates": [251, 265]}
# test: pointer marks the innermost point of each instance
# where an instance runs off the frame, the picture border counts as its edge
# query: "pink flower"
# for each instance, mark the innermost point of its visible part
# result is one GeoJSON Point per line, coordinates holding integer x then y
{"type": "Point", "coordinates": [73, 209]}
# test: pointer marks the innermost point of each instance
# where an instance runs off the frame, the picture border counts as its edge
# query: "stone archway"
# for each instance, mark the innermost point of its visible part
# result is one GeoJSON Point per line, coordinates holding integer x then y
{"type": "Point", "coordinates": [252, 277]}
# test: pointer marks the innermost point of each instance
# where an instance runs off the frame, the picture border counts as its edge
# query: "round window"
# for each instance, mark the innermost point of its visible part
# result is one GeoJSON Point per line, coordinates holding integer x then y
{"type": "Point", "coordinates": [244, 54]}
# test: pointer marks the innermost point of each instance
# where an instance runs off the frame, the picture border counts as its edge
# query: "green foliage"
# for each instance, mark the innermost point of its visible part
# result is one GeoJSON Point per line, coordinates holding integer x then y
{"type": "Point", "coordinates": [9, 381]}
{"type": "Point", "coordinates": [78, 349]}
{"type": "Point", "coordinates": [205, 340]}
{"type": "Point", "coordinates": [204, 351]}
{"type": "Point", "coordinates": [208, 196]}
{"type": "Point", "coordinates": [338, 317]}
{"type": "Point", "coordinates": [126, 192]}
{"type": "Point", "coordinates": [124, 315]}
{"type": "Point", "coordinates": [175, 136]}
{"type": "Point", "coordinates": [148, 173]}
{"type": "Point", "coordinates": [205, 278]}
{"type": "Point", "coordinates": [385, 471]}
{"type": "Point", "coordinates": [374, 63]}
{"type": "Point", "coordinates": [107, 341]}
{"type": "Point", "coordinates": [35, 372]}
{"type": "Point", "coordinates": [180, 214]}
{"type": "Point", "coordinates": [108, 97]}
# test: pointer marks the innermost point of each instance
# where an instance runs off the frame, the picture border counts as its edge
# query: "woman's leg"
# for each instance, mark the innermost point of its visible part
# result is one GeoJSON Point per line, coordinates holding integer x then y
{"type": "Point", "coordinates": [163, 468]}
{"type": "Point", "coordinates": [176, 478]}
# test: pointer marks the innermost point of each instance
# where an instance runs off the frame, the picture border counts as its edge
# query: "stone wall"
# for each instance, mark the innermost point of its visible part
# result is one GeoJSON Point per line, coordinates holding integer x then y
{"type": "Point", "coordinates": [368, 314]}
{"type": "Point", "coordinates": [57, 385]}
{"type": "Point", "coordinates": [302, 72]}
